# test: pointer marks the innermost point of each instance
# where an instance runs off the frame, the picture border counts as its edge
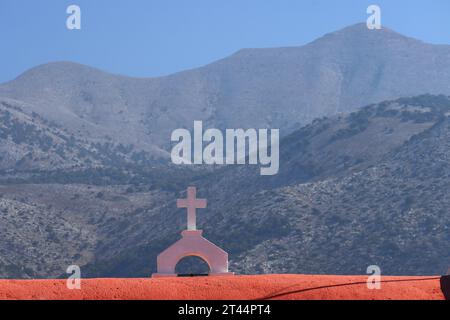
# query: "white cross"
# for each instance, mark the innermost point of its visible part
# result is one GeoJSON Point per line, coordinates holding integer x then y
{"type": "Point", "coordinates": [192, 204]}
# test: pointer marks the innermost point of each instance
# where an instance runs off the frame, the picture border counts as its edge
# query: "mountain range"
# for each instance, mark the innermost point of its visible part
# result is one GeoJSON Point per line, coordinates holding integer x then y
{"type": "Point", "coordinates": [364, 163]}
{"type": "Point", "coordinates": [283, 88]}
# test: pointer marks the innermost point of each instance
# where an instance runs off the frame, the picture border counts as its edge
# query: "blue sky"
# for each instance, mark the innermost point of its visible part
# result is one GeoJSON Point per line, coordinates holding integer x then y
{"type": "Point", "coordinates": [157, 37]}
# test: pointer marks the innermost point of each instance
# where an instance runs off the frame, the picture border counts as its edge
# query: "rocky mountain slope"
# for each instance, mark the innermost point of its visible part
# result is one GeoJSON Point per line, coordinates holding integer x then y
{"type": "Point", "coordinates": [30, 142]}
{"type": "Point", "coordinates": [85, 177]}
{"type": "Point", "coordinates": [367, 188]}
{"type": "Point", "coordinates": [385, 203]}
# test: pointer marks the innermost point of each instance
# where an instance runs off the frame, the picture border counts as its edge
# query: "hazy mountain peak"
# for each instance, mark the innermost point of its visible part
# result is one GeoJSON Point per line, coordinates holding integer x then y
{"type": "Point", "coordinates": [360, 35]}
{"type": "Point", "coordinates": [60, 71]}
{"type": "Point", "coordinates": [282, 88]}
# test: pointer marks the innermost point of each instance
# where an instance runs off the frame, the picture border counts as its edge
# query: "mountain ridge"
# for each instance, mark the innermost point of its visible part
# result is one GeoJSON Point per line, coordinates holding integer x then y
{"type": "Point", "coordinates": [86, 177]}
{"type": "Point", "coordinates": [354, 27]}
{"type": "Point", "coordinates": [282, 88]}
{"type": "Point", "coordinates": [331, 210]}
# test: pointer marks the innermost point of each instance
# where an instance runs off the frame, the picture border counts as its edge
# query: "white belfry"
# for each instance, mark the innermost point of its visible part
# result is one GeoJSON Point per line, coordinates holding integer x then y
{"type": "Point", "coordinates": [192, 244]}
{"type": "Point", "coordinates": [192, 204]}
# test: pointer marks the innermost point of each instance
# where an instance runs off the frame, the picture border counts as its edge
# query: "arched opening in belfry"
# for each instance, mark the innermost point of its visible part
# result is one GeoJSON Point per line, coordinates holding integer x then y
{"type": "Point", "coordinates": [192, 266]}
